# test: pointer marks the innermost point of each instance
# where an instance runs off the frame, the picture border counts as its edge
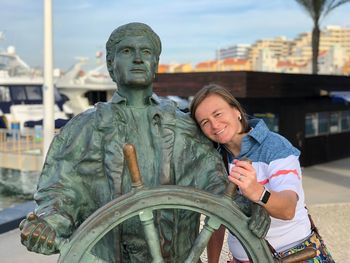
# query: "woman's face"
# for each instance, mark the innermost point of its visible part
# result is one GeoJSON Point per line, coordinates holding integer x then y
{"type": "Point", "coordinates": [218, 120]}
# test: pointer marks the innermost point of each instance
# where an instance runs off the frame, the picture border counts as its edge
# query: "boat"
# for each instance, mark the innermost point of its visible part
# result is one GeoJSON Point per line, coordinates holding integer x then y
{"type": "Point", "coordinates": [21, 95]}
{"type": "Point", "coordinates": [83, 87]}
{"type": "Point", "coordinates": [84, 84]}
{"type": "Point", "coordinates": [21, 108]}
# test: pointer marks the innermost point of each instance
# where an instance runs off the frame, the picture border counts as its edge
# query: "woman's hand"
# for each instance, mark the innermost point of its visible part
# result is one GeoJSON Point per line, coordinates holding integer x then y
{"type": "Point", "coordinates": [281, 204]}
{"type": "Point", "coordinates": [243, 174]}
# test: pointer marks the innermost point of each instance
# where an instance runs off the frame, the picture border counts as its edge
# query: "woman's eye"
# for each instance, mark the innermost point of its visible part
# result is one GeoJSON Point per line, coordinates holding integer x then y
{"type": "Point", "coordinates": [218, 114]}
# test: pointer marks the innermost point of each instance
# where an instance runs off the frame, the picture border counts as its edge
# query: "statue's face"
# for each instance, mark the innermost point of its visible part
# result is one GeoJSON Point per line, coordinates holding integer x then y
{"type": "Point", "coordinates": [135, 62]}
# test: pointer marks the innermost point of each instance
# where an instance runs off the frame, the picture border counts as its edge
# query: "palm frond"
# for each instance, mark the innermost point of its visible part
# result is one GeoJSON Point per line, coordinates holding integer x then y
{"type": "Point", "coordinates": [331, 5]}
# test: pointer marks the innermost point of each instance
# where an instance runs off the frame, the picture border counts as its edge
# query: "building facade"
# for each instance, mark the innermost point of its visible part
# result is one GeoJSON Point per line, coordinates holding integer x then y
{"type": "Point", "coordinates": [312, 111]}
{"type": "Point", "coordinates": [235, 51]}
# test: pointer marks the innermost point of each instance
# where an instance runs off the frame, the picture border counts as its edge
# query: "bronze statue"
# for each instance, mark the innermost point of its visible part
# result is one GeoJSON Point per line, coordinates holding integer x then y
{"type": "Point", "coordinates": [85, 167]}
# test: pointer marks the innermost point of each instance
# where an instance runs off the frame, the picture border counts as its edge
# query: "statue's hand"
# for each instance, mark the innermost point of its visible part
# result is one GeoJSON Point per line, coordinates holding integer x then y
{"type": "Point", "coordinates": [244, 204]}
{"type": "Point", "coordinates": [37, 235]}
{"type": "Point", "coordinates": [259, 222]}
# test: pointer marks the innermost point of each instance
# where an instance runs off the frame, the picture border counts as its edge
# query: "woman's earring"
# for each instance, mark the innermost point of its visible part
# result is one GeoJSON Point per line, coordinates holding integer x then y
{"type": "Point", "coordinates": [239, 118]}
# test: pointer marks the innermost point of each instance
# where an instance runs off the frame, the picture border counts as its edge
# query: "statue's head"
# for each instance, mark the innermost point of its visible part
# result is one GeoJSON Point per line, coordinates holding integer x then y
{"type": "Point", "coordinates": [130, 30]}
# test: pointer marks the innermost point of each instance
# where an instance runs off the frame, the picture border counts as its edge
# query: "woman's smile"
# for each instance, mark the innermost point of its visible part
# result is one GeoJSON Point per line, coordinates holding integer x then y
{"type": "Point", "coordinates": [219, 132]}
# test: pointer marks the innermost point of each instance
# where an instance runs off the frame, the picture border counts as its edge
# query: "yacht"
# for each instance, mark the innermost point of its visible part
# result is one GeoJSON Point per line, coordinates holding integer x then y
{"type": "Point", "coordinates": [21, 96]}
{"type": "Point", "coordinates": [83, 87]}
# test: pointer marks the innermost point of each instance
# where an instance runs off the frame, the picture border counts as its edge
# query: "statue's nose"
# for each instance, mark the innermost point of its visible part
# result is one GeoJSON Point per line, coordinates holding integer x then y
{"type": "Point", "coordinates": [137, 57]}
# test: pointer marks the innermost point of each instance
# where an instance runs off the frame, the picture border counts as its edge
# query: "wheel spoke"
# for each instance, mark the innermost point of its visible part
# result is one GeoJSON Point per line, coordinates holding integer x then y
{"type": "Point", "coordinates": [202, 240]}
{"type": "Point", "coordinates": [152, 238]}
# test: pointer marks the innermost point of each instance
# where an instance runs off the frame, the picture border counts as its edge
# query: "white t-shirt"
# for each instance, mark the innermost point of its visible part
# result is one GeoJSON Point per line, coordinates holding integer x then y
{"type": "Point", "coordinates": [278, 175]}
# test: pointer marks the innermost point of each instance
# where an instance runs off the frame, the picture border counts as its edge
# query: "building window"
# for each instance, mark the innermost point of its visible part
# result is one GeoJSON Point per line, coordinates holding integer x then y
{"type": "Point", "coordinates": [311, 124]}
{"type": "Point", "coordinates": [270, 119]}
{"type": "Point", "coordinates": [323, 123]}
{"type": "Point", "coordinates": [345, 121]}
{"type": "Point", "coordinates": [334, 122]}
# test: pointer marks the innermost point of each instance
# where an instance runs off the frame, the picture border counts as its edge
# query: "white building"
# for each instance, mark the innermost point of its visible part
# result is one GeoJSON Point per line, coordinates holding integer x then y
{"type": "Point", "coordinates": [235, 51]}
{"type": "Point", "coordinates": [332, 61]}
{"type": "Point", "coordinates": [295, 55]}
{"type": "Point", "coordinates": [265, 61]}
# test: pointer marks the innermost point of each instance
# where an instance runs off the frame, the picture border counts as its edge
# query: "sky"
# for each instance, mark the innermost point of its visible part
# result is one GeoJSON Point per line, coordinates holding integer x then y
{"type": "Point", "coordinates": [190, 30]}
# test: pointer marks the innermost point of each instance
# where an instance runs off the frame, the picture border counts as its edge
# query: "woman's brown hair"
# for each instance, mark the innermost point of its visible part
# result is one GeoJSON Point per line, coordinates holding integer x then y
{"type": "Point", "coordinates": [223, 93]}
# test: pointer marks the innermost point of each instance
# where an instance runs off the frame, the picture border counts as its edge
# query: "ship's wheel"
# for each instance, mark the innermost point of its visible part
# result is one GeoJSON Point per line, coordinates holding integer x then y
{"type": "Point", "coordinates": [142, 202]}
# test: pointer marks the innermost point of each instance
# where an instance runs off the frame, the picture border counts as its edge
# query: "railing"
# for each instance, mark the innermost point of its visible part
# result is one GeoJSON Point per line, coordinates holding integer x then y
{"type": "Point", "coordinates": [21, 150]}
{"type": "Point", "coordinates": [26, 142]}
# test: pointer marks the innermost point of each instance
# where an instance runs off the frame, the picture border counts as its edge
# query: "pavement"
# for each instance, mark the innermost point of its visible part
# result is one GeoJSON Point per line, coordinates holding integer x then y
{"type": "Point", "coordinates": [327, 193]}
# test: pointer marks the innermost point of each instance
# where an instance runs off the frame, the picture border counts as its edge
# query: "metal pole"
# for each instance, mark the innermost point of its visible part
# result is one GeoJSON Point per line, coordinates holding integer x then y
{"type": "Point", "coordinates": [48, 93]}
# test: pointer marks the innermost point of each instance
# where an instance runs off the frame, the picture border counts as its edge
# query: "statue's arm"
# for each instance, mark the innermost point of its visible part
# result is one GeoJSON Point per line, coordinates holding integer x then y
{"type": "Point", "coordinates": [62, 196]}
{"type": "Point", "coordinates": [198, 159]}
{"type": "Point", "coordinates": [259, 221]}
{"type": "Point", "coordinates": [211, 165]}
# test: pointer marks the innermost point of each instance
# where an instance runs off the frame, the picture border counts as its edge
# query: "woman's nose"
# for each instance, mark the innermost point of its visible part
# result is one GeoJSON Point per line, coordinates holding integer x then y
{"type": "Point", "coordinates": [214, 124]}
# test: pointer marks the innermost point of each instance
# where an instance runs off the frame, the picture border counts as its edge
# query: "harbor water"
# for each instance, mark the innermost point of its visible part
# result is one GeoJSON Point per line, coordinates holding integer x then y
{"type": "Point", "coordinates": [20, 165]}
{"type": "Point", "coordinates": [16, 186]}
{"type": "Point", "coordinates": [9, 201]}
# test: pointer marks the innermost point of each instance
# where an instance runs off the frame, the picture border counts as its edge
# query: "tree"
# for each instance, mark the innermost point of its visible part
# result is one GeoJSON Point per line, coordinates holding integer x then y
{"type": "Point", "coordinates": [318, 9]}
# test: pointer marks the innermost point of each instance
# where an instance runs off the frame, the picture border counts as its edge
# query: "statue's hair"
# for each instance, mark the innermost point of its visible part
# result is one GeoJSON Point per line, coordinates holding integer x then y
{"type": "Point", "coordinates": [131, 29]}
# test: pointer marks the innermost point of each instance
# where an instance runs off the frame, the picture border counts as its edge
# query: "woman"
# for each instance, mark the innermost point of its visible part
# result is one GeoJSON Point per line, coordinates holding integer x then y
{"type": "Point", "coordinates": [273, 180]}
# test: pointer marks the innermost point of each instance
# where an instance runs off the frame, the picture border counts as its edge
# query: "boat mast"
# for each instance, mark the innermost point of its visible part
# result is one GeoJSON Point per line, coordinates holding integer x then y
{"type": "Point", "coordinates": [48, 93]}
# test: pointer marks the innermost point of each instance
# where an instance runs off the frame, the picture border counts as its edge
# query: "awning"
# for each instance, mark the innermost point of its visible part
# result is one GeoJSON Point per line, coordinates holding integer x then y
{"type": "Point", "coordinates": [340, 95]}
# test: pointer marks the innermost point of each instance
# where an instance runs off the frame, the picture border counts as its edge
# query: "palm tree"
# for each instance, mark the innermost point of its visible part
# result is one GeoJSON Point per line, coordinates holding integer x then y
{"type": "Point", "coordinates": [318, 9]}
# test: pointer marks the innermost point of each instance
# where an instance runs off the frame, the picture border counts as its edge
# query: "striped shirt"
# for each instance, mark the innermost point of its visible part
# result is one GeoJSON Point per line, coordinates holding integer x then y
{"type": "Point", "coordinates": [277, 167]}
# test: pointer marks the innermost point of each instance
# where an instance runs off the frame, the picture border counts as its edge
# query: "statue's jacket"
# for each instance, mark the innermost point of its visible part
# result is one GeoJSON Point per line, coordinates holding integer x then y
{"type": "Point", "coordinates": [85, 169]}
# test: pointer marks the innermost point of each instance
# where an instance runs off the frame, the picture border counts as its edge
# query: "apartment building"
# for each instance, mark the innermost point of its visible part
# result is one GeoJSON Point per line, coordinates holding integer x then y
{"type": "Point", "coordinates": [278, 47]}
{"type": "Point", "coordinates": [236, 51]}
{"type": "Point", "coordinates": [280, 55]}
{"type": "Point", "coordinates": [336, 35]}
{"type": "Point", "coordinates": [269, 54]}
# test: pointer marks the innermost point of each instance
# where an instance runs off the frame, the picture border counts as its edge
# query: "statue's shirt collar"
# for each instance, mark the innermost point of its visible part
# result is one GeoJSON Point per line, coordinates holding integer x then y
{"type": "Point", "coordinates": [117, 98]}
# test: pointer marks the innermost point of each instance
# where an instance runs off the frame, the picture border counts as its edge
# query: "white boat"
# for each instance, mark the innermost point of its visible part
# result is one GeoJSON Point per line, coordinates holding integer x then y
{"type": "Point", "coordinates": [21, 106]}
{"type": "Point", "coordinates": [21, 96]}
{"type": "Point", "coordinates": [83, 87]}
